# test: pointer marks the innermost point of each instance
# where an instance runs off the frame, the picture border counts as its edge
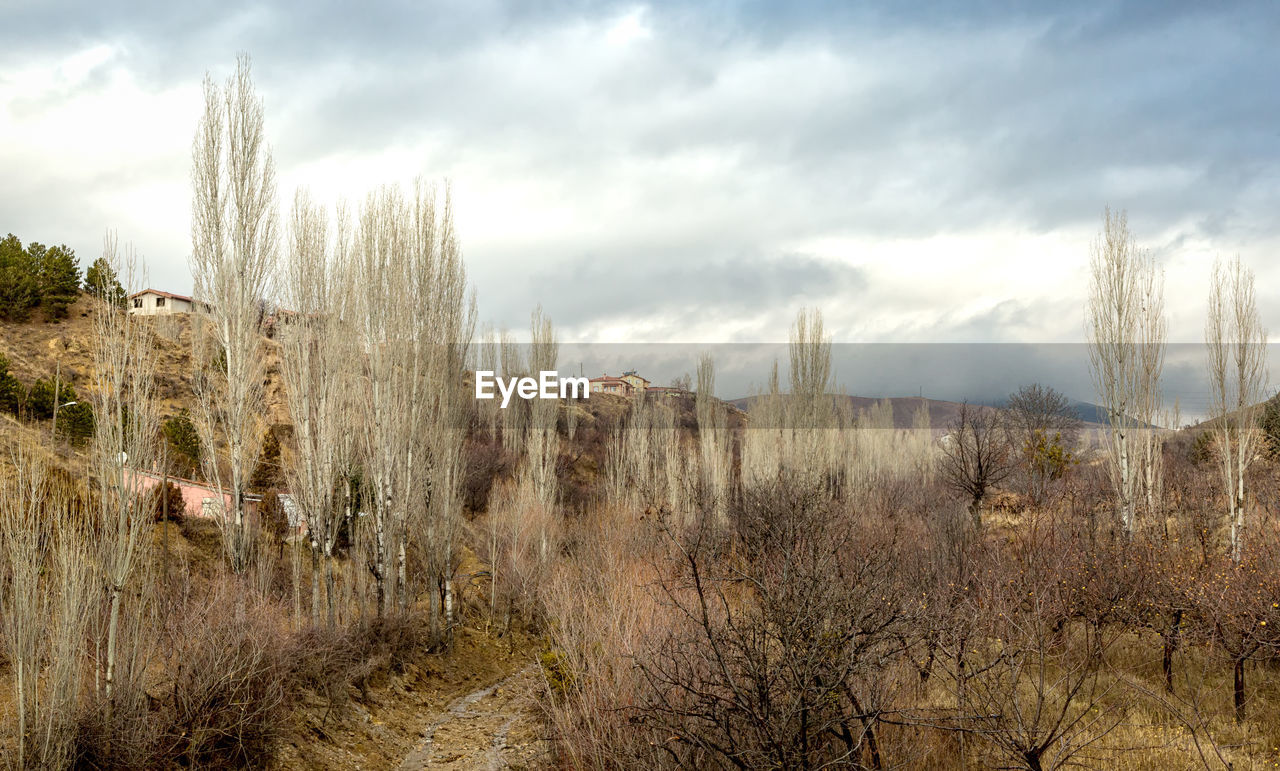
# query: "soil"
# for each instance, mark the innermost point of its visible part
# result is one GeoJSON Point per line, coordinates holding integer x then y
{"type": "Point", "coordinates": [490, 728]}
{"type": "Point", "coordinates": [472, 708]}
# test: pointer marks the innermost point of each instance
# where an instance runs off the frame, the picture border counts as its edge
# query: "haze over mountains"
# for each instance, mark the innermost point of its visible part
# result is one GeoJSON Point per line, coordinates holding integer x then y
{"type": "Point", "coordinates": [941, 412]}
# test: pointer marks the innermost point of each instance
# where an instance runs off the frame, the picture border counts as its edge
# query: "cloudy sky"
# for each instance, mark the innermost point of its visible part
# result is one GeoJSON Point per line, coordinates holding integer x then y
{"type": "Point", "coordinates": [694, 172]}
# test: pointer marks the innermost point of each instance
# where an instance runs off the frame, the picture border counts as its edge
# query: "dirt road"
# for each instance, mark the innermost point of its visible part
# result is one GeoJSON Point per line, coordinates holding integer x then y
{"type": "Point", "coordinates": [491, 728]}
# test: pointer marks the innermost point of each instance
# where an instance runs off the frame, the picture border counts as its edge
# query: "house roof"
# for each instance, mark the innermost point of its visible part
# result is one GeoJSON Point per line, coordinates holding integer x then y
{"type": "Point", "coordinates": [607, 379]}
{"type": "Point", "coordinates": [170, 295]}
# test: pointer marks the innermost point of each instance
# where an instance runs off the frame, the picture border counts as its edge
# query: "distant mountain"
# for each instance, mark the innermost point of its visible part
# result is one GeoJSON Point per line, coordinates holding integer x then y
{"type": "Point", "coordinates": [1091, 413]}
{"type": "Point", "coordinates": [941, 413]}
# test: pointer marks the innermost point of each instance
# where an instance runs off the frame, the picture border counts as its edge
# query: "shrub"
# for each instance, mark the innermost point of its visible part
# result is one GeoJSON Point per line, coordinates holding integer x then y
{"type": "Point", "coordinates": [173, 494]}
{"type": "Point", "coordinates": [229, 693]}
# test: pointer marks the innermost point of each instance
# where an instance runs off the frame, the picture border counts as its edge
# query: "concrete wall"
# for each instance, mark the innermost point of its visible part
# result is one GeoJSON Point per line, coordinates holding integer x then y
{"type": "Point", "coordinates": [148, 307]}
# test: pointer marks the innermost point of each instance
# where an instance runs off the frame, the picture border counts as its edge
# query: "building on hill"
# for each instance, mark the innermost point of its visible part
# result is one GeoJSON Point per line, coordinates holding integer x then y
{"type": "Point", "coordinates": [606, 384]}
{"type": "Point", "coordinates": [638, 384]}
{"type": "Point", "coordinates": [665, 391]}
{"type": "Point", "coordinates": [629, 384]}
{"type": "Point", "coordinates": [153, 302]}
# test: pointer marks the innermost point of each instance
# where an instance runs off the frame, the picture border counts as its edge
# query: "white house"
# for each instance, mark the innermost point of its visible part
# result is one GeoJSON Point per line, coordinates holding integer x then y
{"type": "Point", "coordinates": [153, 302]}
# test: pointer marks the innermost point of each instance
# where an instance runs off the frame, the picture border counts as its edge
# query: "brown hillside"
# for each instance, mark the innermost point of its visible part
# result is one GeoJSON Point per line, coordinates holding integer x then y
{"type": "Point", "coordinates": [36, 347]}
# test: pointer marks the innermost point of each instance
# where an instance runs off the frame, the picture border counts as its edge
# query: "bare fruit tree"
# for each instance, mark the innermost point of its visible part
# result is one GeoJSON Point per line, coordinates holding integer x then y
{"type": "Point", "coordinates": [976, 455]}
{"type": "Point", "coordinates": [1126, 328]}
{"type": "Point", "coordinates": [1237, 344]}
{"type": "Point", "coordinates": [1045, 429]}
{"type": "Point", "coordinates": [233, 255]}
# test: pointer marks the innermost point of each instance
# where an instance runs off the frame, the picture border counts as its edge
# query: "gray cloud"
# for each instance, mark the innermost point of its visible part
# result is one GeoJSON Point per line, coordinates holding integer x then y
{"type": "Point", "coordinates": [685, 288]}
{"type": "Point", "coordinates": [695, 160]}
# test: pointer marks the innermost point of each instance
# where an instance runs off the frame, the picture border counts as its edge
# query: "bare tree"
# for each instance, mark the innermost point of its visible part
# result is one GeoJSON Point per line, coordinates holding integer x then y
{"type": "Point", "coordinates": [774, 657]}
{"type": "Point", "coordinates": [233, 255]}
{"type": "Point", "coordinates": [1125, 321]}
{"type": "Point", "coordinates": [315, 355]}
{"type": "Point", "coordinates": [46, 597]}
{"type": "Point", "coordinates": [515, 418]}
{"type": "Point", "coordinates": [976, 455]}
{"type": "Point", "coordinates": [414, 321]}
{"type": "Point", "coordinates": [126, 445]}
{"type": "Point", "coordinates": [713, 438]}
{"type": "Point", "coordinates": [1237, 344]}
{"type": "Point", "coordinates": [543, 447]}
{"type": "Point", "coordinates": [811, 377]}
{"type": "Point", "coordinates": [1044, 428]}
{"type": "Point", "coordinates": [1039, 698]}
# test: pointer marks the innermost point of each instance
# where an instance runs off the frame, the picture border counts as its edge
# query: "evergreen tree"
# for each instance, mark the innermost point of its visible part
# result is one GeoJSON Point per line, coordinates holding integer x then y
{"type": "Point", "coordinates": [1271, 425]}
{"type": "Point", "coordinates": [269, 475]}
{"type": "Point", "coordinates": [11, 391]}
{"type": "Point", "coordinates": [184, 444]}
{"type": "Point", "coordinates": [75, 422]}
{"type": "Point", "coordinates": [19, 289]}
{"type": "Point", "coordinates": [58, 274]}
{"type": "Point", "coordinates": [41, 400]}
{"type": "Point", "coordinates": [101, 281]}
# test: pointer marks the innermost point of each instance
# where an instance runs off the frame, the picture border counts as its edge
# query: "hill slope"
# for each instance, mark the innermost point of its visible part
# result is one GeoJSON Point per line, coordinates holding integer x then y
{"type": "Point", "coordinates": [39, 349]}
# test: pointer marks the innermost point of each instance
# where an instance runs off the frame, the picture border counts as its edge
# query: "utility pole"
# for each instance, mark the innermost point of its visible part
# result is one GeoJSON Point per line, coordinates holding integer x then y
{"type": "Point", "coordinates": [57, 398]}
{"type": "Point", "coordinates": [164, 508]}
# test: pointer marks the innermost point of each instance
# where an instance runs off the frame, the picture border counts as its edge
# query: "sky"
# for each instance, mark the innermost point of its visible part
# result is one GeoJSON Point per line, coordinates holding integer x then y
{"type": "Point", "coordinates": [694, 172]}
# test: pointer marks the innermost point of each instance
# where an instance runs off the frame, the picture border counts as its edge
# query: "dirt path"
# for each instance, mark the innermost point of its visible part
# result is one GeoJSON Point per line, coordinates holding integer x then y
{"type": "Point", "coordinates": [492, 728]}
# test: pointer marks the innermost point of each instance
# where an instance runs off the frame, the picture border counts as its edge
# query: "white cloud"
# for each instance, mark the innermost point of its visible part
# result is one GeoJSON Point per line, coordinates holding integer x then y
{"type": "Point", "coordinates": [941, 179]}
{"type": "Point", "coordinates": [628, 28]}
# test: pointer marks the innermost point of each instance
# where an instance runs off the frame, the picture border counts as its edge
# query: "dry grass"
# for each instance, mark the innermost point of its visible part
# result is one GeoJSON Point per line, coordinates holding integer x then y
{"type": "Point", "coordinates": [35, 348]}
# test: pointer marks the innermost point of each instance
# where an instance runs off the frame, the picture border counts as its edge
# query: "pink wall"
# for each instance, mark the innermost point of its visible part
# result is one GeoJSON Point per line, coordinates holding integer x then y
{"type": "Point", "coordinates": [193, 494]}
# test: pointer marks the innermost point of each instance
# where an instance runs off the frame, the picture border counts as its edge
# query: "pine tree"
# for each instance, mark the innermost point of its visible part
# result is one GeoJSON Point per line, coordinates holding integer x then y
{"type": "Point", "coordinates": [41, 400]}
{"type": "Point", "coordinates": [1270, 424]}
{"type": "Point", "coordinates": [184, 444]}
{"type": "Point", "coordinates": [269, 475]}
{"type": "Point", "coordinates": [76, 423]}
{"type": "Point", "coordinates": [19, 290]}
{"type": "Point", "coordinates": [101, 281]}
{"type": "Point", "coordinates": [58, 274]}
{"type": "Point", "coordinates": [11, 391]}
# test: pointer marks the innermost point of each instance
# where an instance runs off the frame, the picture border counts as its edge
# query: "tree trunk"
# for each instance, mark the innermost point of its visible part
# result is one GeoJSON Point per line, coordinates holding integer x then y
{"type": "Point", "coordinates": [1126, 485]}
{"type": "Point", "coordinates": [315, 587]}
{"type": "Point", "coordinates": [164, 513]}
{"type": "Point", "coordinates": [1170, 645]}
{"type": "Point", "coordinates": [434, 611]}
{"type": "Point", "coordinates": [961, 677]}
{"type": "Point", "coordinates": [868, 730]}
{"type": "Point", "coordinates": [113, 625]}
{"type": "Point", "coordinates": [330, 600]}
{"type": "Point", "coordinates": [448, 609]}
{"type": "Point", "coordinates": [1239, 690]}
{"type": "Point", "coordinates": [402, 575]}
{"type": "Point", "coordinates": [380, 555]}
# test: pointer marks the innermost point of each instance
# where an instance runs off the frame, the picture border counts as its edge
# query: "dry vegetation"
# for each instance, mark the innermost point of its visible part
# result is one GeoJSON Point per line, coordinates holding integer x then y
{"type": "Point", "coordinates": [879, 624]}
